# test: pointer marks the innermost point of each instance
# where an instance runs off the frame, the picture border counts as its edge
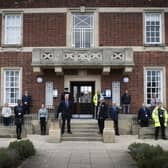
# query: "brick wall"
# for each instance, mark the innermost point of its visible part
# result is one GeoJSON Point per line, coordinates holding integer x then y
{"type": "Point", "coordinates": [44, 30]}
{"type": "Point", "coordinates": [0, 29]}
{"type": "Point", "coordinates": [120, 29]}
{"type": "Point", "coordinates": [136, 78]}
{"type": "Point", "coordinates": [76, 3]}
{"type": "Point", "coordinates": [37, 91]}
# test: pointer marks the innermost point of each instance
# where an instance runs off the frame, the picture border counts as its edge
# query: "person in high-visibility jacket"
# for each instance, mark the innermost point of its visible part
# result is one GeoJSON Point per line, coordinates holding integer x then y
{"type": "Point", "coordinates": [96, 101]}
{"type": "Point", "coordinates": [160, 116]}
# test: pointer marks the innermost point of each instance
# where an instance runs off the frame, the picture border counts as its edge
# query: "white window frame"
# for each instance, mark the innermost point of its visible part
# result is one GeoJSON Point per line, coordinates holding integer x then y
{"type": "Point", "coordinates": [3, 84]}
{"type": "Point", "coordinates": [7, 43]}
{"type": "Point", "coordinates": [149, 14]}
{"type": "Point", "coordinates": [162, 97]}
{"type": "Point", "coordinates": [82, 31]}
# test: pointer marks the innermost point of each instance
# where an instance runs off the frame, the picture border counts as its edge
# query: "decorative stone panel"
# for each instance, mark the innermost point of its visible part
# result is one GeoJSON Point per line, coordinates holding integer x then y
{"type": "Point", "coordinates": [99, 57]}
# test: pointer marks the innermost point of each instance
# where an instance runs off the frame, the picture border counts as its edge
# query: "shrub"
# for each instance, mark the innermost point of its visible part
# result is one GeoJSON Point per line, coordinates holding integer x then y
{"type": "Point", "coordinates": [148, 156]}
{"type": "Point", "coordinates": [24, 148]}
{"type": "Point", "coordinates": [9, 158]}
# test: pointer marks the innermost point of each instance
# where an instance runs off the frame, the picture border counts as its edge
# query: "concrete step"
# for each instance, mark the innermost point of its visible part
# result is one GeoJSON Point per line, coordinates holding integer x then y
{"type": "Point", "coordinates": [83, 130]}
{"type": "Point", "coordinates": [82, 138]}
{"type": "Point", "coordinates": [81, 134]}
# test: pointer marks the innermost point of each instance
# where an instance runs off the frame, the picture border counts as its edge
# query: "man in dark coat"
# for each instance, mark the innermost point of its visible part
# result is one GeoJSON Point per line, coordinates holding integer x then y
{"type": "Point", "coordinates": [26, 101]}
{"type": "Point", "coordinates": [65, 108]}
{"type": "Point", "coordinates": [126, 101]}
{"type": "Point", "coordinates": [102, 114]}
{"type": "Point", "coordinates": [143, 116]}
{"type": "Point", "coordinates": [19, 116]}
{"type": "Point", "coordinates": [114, 111]}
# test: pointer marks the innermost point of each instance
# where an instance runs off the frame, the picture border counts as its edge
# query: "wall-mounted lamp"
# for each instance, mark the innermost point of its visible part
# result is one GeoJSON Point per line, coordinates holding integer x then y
{"type": "Point", "coordinates": [125, 79]}
{"type": "Point", "coordinates": [55, 93]}
{"type": "Point", "coordinates": [39, 79]}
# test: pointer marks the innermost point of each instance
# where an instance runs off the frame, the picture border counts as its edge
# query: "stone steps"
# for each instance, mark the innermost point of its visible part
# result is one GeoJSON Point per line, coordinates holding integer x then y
{"type": "Point", "coordinates": [82, 130]}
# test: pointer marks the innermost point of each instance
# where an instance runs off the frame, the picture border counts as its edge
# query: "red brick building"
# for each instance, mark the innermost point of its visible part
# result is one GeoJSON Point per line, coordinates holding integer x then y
{"type": "Point", "coordinates": [83, 45]}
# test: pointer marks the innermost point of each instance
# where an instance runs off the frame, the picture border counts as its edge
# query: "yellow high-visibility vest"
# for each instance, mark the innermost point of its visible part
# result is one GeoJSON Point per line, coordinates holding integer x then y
{"type": "Point", "coordinates": [155, 116]}
{"type": "Point", "coordinates": [95, 99]}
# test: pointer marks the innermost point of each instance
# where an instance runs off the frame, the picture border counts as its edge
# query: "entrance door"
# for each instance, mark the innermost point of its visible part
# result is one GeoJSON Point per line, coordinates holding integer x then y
{"type": "Point", "coordinates": [83, 93]}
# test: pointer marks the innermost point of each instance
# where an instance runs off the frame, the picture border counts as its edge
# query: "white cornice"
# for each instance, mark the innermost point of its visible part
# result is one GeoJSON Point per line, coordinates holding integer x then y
{"type": "Point", "coordinates": [36, 10]}
{"type": "Point", "coordinates": [135, 48]}
{"type": "Point", "coordinates": [99, 9]}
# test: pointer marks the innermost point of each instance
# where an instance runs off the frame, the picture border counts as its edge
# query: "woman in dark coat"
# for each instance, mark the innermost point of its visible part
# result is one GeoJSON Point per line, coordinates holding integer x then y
{"type": "Point", "coordinates": [143, 116]}
{"type": "Point", "coordinates": [19, 114]}
{"type": "Point", "coordinates": [102, 114]}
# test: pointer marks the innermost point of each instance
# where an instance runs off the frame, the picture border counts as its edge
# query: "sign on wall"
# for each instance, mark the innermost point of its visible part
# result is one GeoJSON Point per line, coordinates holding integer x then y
{"type": "Point", "coordinates": [49, 94]}
{"type": "Point", "coordinates": [116, 92]}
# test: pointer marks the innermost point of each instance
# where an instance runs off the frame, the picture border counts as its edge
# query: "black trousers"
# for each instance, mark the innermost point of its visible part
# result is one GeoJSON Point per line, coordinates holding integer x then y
{"type": "Point", "coordinates": [116, 127]}
{"type": "Point", "coordinates": [43, 125]}
{"type": "Point", "coordinates": [101, 125]}
{"type": "Point", "coordinates": [26, 109]}
{"type": "Point", "coordinates": [6, 121]}
{"type": "Point", "coordinates": [144, 123]}
{"type": "Point", "coordinates": [68, 124]}
{"type": "Point", "coordinates": [18, 130]}
{"type": "Point", "coordinates": [162, 131]}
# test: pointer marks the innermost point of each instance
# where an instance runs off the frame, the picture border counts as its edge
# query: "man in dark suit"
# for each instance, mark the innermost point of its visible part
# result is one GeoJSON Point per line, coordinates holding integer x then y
{"type": "Point", "coordinates": [65, 108]}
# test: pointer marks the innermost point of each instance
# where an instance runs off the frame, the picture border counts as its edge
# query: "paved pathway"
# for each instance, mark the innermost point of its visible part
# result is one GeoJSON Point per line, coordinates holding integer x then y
{"type": "Point", "coordinates": [82, 154]}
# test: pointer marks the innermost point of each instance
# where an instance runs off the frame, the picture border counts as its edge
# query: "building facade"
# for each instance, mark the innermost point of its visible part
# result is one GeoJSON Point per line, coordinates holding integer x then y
{"type": "Point", "coordinates": [85, 46]}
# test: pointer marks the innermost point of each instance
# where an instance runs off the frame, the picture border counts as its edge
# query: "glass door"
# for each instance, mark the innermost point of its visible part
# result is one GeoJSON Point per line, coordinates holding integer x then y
{"type": "Point", "coordinates": [83, 94]}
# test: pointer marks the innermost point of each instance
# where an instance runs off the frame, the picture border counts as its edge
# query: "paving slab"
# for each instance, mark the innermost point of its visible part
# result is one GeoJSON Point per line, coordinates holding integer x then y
{"type": "Point", "coordinates": [82, 154]}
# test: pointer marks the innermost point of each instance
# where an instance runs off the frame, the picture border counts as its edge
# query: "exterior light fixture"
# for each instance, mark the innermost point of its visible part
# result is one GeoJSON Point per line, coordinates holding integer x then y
{"type": "Point", "coordinates": [39, 79]}
{"type": "Point", "coordinates": [125, 79]}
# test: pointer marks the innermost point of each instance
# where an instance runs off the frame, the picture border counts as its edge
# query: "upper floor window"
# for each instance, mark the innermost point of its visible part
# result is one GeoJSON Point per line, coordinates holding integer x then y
{"type": "Point", "coordinates": [12, 29]}
{"type": "Point", "coordinates": [82, 30]}
{"type": "Point", "coordinates": [153, 34]}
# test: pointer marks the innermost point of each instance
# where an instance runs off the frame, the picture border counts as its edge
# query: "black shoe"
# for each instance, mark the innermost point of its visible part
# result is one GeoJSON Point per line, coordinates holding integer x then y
{"type": "Point", "coordinates": [164, 138]}
{"type": "Point", "coordinates": [69, 132]}
{"type": "Point", "coordinates": [156, 138]}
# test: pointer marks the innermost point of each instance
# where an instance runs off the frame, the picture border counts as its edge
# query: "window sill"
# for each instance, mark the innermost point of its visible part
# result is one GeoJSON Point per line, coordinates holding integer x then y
{"type": "Point", "coordinates": [154, 45]}
{"type": "Point", "coordinates": [11, 46]}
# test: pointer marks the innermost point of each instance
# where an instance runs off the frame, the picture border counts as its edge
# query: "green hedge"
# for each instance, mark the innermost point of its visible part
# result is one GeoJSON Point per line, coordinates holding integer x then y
{"type": "Point", "coordinates": [16, 152]}
{"type": "Point", "coordinates": [149, 156]}
{"type": "Point", "coordinates": [25, 148]}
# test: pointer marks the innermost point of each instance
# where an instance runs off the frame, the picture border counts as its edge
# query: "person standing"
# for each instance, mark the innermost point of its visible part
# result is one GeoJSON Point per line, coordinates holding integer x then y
{"type": "Point", "coordinates": [143, 116]}
{"type": "Point", "coordinates": [65, 108]}
{"type": "Point", "coordinates": [159, 116]}
{"type": "Point", "coordinates": [26, 100]}
{"type": "Point", "coordinates": [6, 114]}
{"type": "Point", "coordinates": [43, 116]}
{"type": "Point", "coordinates": [114, 111]}
{"type": "Point", "coordinates": [102, 114]}
{"type": "Point", "coordinates": [19, 118]}
{"type": "Point", "coordinates": [96, 101]}
{"type": "Point", "coordinates": [126, 101]}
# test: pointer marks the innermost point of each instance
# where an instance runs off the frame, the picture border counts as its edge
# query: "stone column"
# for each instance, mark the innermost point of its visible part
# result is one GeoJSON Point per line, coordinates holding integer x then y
{"type": "Point", "coordinates": [54, 132]}
{"type": "Point", "coordinates": [108, 132]}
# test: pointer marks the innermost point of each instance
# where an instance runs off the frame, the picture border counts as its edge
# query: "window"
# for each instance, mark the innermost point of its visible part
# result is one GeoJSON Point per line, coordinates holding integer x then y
{"type": "Point", "coordinates": [82, 31]}
{"type": "Point", "coordinates": [153, 84]}
{"type": "Point", "coordinates": [11, 86]}
{"type": "Point", "coordinates": [153, 28]}
{"type": "Point", "coordinates": [12, 29]}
